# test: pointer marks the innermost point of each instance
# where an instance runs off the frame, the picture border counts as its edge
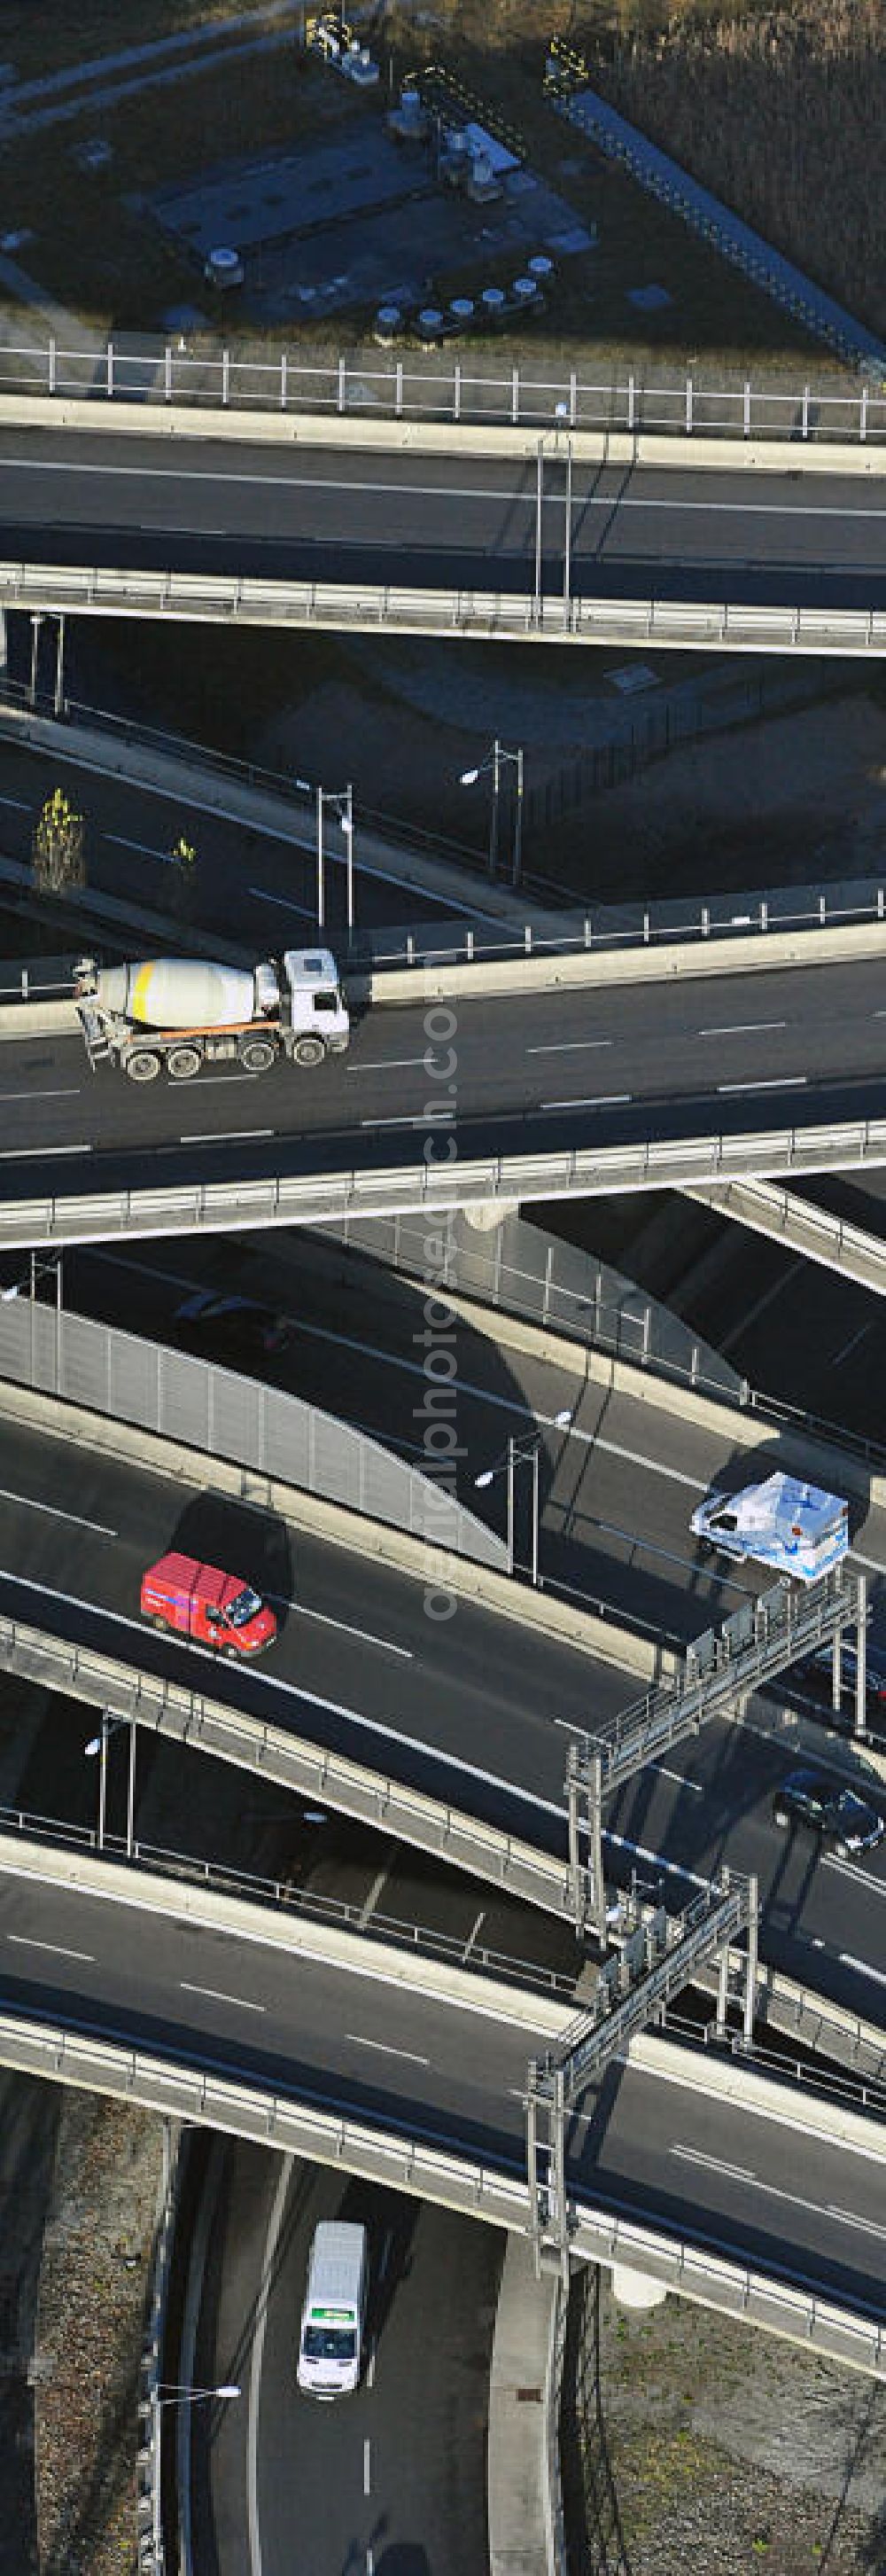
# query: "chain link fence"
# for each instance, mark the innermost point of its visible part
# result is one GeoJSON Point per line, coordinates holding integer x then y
{"type": "Point", "coordinates": [226, 1416]}
{"type": "Point", "coordinates": [553, 1285]}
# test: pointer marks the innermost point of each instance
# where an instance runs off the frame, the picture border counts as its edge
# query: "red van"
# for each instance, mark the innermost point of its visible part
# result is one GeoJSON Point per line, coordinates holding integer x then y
{"type": "Point", "coordinates": [212, 1608]}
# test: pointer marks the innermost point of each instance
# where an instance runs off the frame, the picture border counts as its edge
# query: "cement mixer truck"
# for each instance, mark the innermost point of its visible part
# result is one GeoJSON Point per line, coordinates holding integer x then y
{"type": "Point", "coordinates": [174, 1014]}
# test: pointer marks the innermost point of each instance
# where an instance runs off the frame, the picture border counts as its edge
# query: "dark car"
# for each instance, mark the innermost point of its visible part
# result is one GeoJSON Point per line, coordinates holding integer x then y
{"type": "Point", "coordinates": [829, 1810]}
{"type": "Point", "coordinates": [233, 1327]}
{"type": "Point", "coordinates": [815, 1675]}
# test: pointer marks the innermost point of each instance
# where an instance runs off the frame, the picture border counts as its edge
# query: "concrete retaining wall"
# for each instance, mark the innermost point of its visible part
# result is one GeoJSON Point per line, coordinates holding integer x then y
{"type": "Point", "coordinates": [518, 2503]}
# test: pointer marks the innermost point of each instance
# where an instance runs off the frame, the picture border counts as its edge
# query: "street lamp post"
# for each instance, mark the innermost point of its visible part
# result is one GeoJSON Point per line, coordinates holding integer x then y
{"type": "Point", "coordinates": [342, 801]}
{"type": "Point", "coordinates": [98, 1744]}
{"type": "Point", "coordinates": [493, 763]}
{"type": "Point", "coordinates": [515, 1455]}
{"type": "Point", "coordinates": [172, 2396]}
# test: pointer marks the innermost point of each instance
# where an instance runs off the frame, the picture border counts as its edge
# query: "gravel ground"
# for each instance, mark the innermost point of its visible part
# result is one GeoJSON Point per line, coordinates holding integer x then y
{"type": "Point", "coordinates": [96, 2259]}
{"type": "Point", "coordinates": [694, 2443]}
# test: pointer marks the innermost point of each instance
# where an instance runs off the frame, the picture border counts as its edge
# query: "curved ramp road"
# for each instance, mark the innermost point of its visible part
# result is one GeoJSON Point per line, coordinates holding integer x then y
{"type": "Point", "coordinates": [310, 513]}
{"type": "Point", "coordinates": [524, 1074]}
{"type": "Point", "coordinates": [477, 1709]}
{"type": "Point", "coordinates": [453, 2073]}
{"type": "Point", "coordinates": [400, 2471]}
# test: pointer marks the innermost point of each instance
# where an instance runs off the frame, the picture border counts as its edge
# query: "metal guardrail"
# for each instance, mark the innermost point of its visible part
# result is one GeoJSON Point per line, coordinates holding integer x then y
{"type": "Point", "coordinates": [524, 1272]}
{"type": "Point", "coordinates": [229, 599]}
{"type": "Point", "coordinates": [261, 1428]}
{"type": "Point", "coordinates": [644, 402]}
{"type": "Point", "coordinates": [63, 2054]}
{"type": "Point", "coordinates": [253, 1743]}
{"type": "Point", "coordinates": [77, 1216]}
{"type": "Point", "coordinates": [223, 1879]}
{"type": "Point", "coordinates": [149, 2505]}
{"type": "Point", "coordinates": [783, 1217]}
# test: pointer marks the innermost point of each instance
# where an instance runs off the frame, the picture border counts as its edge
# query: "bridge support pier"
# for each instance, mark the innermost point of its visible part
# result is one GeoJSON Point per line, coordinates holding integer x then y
{"type": "Point", "coordinates": [636, 2289]}
{"type": "Point", "coordinates": [486, 1215]}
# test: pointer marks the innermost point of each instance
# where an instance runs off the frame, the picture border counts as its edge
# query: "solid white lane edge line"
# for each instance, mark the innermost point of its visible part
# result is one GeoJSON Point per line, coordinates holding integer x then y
{"type": "Point", "coordinates": [599, 1100]}
{"type": "Point", "coordinates": [216, 1996]}
{"type": "Point", "coordinates": [571, 1046]}
{"type": "Point", "coordinates": [256, 2359]}
{"type": "Point", "coordinates": [357, 2041]}
{"type": "Point", "coordinates": [774, 1082]}
{"type": "Point", "coordinates": [57, 1949]}
{"type": "Point", "coordinates": [27, 1503]}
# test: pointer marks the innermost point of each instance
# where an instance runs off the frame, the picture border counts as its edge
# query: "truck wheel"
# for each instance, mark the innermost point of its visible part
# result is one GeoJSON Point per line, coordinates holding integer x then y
{"type": "Point", "coordinates": [183, 1062]}
{"type": "Point", "coordinates": [143, 1067]}
{"type": "Point", "coordinates": [309, 1050]}
{"type": "Point", "coordinates": [256, 1054]}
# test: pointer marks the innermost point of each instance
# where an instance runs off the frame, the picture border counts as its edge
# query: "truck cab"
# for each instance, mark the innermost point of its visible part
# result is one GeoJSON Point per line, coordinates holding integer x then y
{"type": "Point", "coordinates": [317, 1008]}
{"type": "Point", "coordinates": [206, 1605]}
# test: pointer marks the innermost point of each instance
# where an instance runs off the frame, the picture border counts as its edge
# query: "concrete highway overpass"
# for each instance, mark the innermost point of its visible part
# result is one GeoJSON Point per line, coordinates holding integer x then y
{"type": "Point", "coordinates": [419, 529]}
{"type": "Point", "coordinates": [384, 2059]}
{"type": "Point", "coordinates": [476, 1712]}
{"type": "Point", "coordinates": [531, 1093]}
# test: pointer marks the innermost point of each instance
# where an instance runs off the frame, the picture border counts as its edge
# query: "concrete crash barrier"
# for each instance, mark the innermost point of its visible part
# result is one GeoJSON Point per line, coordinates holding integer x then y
{"type": "Point", "coordinates": [279, 428]}
{"type": "Point", "coordinates": [729, 954]}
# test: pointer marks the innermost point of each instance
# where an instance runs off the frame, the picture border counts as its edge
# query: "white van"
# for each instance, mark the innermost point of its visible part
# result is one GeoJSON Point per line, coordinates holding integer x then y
{"type": "Point", "coordinates": [330, 2348]}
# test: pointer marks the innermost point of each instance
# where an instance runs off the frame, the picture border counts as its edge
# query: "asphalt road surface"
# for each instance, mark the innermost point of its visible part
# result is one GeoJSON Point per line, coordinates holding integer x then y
{"type": "Point", "coordinates": [394, 2477]}
{"type": "Point", "coordinates": [402, 2058]}
{"type": "Point", "coordinates": [479, 1709]}
{"type": "Point", "coordinates": [314, 514]}
{"type": "Point", "coordinates": [131, 829]}
{"type": "Point", "coordinates": [533, 1073]}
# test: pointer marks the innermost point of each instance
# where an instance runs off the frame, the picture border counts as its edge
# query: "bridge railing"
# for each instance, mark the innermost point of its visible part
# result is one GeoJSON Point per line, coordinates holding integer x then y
{"type": "Point", "coordinates": [205, 374]}
{"type": "Point", "coordinates": [214, 598]}
{"type": "Point", "coordinates": [64, 2054]}
{"type": "Point", "coordinates": [188, 1207]}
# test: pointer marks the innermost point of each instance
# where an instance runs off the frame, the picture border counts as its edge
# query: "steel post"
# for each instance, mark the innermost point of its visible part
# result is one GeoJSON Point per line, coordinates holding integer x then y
{"type": "Point", "coordinates": [723, 1991]}
{"type": "Point", "coordinates": [130, 1792]}
{"type": "Point", "coordinates": [511, 1504]}
{"type": "Point", "coordinates": [493, 819]}
{"type": "Point", "coordinates": [532, 2166]}
{"type": "Point", "coordinates": [349, 815]}
{"type": "Point", "coordinates": [102, 1780]}
{"type": "Point", "coordinates": [750, 1992]}
{"type": "Point", "coordinates": [535, 1512]}
{"type": "Point", "coordinates": [567, 550]}
{"type": "Point", "coordinates": [861, 1657]}
{"type": "Point", "coordinates": [60, 667]}
{"type": "Point", "coordinates": [539, 496]}
{"type": "Point", "coordinates": [558, 2170]}
{"type": "Point", "coordinates": [517, 860]}
{"type": "Point", "coordinates": [321, 904]}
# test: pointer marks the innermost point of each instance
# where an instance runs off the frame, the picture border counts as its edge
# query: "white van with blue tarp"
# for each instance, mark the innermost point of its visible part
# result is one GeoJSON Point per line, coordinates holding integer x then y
{"type": "Point", "coordinates": [797, 1528]}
